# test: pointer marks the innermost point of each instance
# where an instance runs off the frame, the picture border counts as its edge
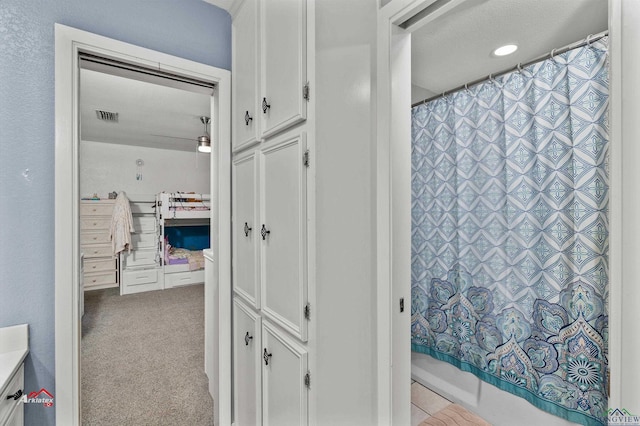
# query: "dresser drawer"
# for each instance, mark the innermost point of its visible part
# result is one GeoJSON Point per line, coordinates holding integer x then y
{"type": "Point", "coordinates": [95, 237]}
{"type": "Point", "coordinates": [96, 209]}
{"type": "Point", "coordinates": [178, 279]}
{"type": "Point", "coordinates": [99, 265]}
{"type": "Point", "coordinates": [99, 279]}
{"type": "Point", "coordinates": [95, 223]}
{"type": "Point", "coordinates": [140, 257]}
{"type": "Point", "coordinates": [7, 405]}
{"type": "Point", "coordinates": [97, 250]}
{"type": "Point", "coordinates": [141, 280]}
{"type": "Point", "coordinates": [139, 277]}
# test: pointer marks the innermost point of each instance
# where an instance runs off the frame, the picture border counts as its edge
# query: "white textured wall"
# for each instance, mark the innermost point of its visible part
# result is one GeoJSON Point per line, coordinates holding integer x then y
{"type": "Point", "coordinates": [106, 167]}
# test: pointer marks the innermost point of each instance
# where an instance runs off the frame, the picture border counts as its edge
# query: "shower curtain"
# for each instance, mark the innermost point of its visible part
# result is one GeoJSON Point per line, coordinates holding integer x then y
{"type": "Point", "coordinates": [510, 232]}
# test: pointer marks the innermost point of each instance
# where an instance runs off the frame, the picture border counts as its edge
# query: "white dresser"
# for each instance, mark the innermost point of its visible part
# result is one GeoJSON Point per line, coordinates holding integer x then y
{"type": "Point", "coordinates": [14, 347]}
{"type": "Point", "coordinates": [100, 266]}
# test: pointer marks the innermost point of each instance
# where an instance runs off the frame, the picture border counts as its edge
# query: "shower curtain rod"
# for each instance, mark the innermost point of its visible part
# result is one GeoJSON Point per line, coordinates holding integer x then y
{"type": "Point", "coordinates": [590, 39]}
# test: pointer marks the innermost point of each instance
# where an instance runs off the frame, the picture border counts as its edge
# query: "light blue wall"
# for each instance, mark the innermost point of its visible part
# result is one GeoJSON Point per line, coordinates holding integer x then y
{"type": "Point", "coordinates": [190, 29]}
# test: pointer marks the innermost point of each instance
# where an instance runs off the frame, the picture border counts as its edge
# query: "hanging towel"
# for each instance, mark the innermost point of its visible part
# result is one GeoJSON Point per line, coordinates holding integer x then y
{"type": "Point", "coordinates": [121, 225]}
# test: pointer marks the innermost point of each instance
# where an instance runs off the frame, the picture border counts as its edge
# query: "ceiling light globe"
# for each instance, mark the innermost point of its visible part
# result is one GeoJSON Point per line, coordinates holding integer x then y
{"type": "Point", "coordinates": [204, 148]}
{"type": "Point", "coordinates": [505, 50]}
{"type": "Point", "coordinates": [204, 144]}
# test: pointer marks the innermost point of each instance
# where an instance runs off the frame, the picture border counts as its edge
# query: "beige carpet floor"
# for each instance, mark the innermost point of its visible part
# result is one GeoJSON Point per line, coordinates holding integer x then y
{"type": "Point", "coordinates": [454, 415]}
{"type": "Point", "coordinates": [143, 359]}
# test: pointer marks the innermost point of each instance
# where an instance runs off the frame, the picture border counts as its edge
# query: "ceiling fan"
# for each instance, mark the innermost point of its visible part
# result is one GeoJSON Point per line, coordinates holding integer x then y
{"type": "Point", "coordinates": [204, 141]}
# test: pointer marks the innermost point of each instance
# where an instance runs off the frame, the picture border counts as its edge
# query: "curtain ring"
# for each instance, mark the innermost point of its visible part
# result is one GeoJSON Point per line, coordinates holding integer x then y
{"type": "Point", "coordinates": [520, 67]}
{"type": "Point", "coordinates": [553, 53]}
{"type": "Point", "coordinates": [466, 88]}
{"type": "Point", "coordinates": [589, 40]}
{"type": "Point", "coordinates": [491, 78]}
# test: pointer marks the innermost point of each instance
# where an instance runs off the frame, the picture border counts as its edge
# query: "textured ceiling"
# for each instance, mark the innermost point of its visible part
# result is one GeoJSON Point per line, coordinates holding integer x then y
{"type": "Point", "coordinates": [144, 110]}
{"type": "Point", "coordinates": [456, 48]}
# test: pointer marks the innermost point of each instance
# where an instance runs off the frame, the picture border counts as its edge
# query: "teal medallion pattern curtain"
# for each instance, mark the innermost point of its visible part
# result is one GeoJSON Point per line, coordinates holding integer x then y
{"type": "Point", "coordinates": [510, 232]}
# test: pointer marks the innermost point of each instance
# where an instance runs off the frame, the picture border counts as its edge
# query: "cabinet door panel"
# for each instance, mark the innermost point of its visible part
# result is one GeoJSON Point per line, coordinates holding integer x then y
{"type": "Point", "coordinates": [284, 394]}
{"type": "Point", "coordinates": [245, 80]}
{"type": "Point", "coordinates": [17, 416]}
{"type": "Point", "coordinates": [283, 63]}
{"type": "Point", "coordinates": [283, 248]}
{"type": "Point", "coordinates": [247, 382]}
{"type": "Point", "coordinates": [245, 248]}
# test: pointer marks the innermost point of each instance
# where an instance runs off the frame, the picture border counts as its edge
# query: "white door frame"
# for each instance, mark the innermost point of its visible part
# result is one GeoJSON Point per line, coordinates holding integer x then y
{"type": "Point", "coordinates": [68, 43]}
{"type": "Point", "coordinates": [394, 221]}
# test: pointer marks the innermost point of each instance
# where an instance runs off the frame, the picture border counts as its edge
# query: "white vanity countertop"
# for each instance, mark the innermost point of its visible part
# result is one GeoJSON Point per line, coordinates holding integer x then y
{"type": "Point", "coordinates": [14, 347]}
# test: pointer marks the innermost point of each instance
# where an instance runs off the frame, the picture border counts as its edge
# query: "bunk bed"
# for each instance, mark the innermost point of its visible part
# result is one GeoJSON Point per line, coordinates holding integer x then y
{"type": "Point", "coordinates": [183, 220]}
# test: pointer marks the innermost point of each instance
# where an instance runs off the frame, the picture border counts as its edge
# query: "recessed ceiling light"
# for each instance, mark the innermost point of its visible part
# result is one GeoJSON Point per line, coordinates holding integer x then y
{"type": "Point", "coordinates": [505, 50]}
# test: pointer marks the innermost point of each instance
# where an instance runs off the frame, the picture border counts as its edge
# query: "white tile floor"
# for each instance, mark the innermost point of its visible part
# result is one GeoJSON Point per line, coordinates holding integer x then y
{"type": "Point", "coordinates": [424, 403]}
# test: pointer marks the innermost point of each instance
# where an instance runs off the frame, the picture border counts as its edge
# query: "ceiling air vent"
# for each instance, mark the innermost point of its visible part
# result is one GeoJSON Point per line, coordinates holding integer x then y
{"type": "Point", "coordinates": [107, 116]}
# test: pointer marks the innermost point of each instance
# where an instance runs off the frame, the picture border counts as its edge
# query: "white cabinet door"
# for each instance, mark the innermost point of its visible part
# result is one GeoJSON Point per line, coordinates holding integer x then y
{"type": "Point", "coordinates": [283, 64]}
{"type": "Point", "coordinates": [246, 230]}
{"type": "Point", "coordinates": [246, 119]}
{"type": "Point", "coordinates": [284, 366]}
{"type": "Point", "coordinates": [17, 416]}
{"type": "Point", "coordinates": [282, 233]}
{"type": "Point", "coordinates": [247, 383]}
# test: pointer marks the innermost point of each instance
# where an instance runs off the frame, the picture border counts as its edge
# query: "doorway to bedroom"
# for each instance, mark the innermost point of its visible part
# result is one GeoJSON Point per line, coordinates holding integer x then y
{"type": "Point", "coordinates": [70, 43]}
{"type": "Point", "coordinates": [145, 205]}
